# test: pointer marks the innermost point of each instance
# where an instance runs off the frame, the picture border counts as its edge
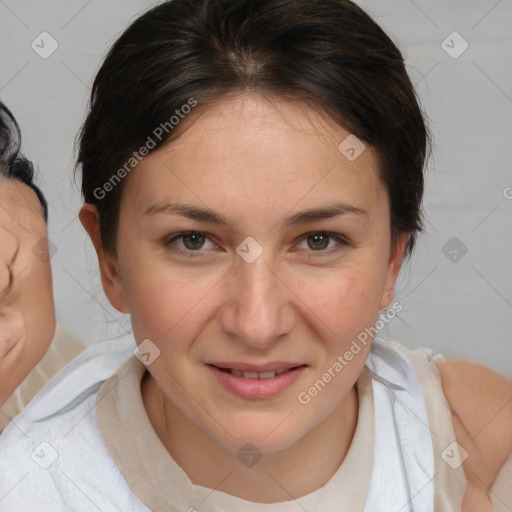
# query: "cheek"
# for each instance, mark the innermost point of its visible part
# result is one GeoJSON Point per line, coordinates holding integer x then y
{"type": "Point", "coordinates": [344, 302]}
{"type": "Point", "coordinates": [34, 300]}
{"type": "Point", "coordinates": [163, 305]}
{"type": "Point", "coordinates": [172, 303]}
{"type": "Point", "coordinates": [41, 279]}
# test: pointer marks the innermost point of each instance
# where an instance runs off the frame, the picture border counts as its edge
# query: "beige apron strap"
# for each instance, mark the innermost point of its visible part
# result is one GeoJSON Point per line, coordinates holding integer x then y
{"type": "Point", "coordinates": [450, 481]}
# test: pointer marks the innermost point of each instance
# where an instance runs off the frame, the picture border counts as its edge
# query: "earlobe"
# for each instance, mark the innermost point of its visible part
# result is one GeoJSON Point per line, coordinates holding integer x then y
{"type": "Point", "coordinates": [109, 268]}
{"type": "Point", "coordinates": [386, 298]}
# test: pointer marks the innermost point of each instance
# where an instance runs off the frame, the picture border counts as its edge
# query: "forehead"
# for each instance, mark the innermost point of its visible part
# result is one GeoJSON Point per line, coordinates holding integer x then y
{"type": "Point", "coordinates": [249, 150]}
{"type": "Point", "coordinates": [20, 208]}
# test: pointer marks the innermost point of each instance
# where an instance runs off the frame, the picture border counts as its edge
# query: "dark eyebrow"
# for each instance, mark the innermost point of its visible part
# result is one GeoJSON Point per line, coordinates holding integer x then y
{"type": "Point", "coordinates": [205, 214]}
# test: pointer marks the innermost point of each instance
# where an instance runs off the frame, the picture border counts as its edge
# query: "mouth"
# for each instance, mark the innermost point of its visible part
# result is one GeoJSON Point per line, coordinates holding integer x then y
{"type": "Point", "coordinates": [256, 382]}
{"type": "Point", "coordinates": [251, 374]}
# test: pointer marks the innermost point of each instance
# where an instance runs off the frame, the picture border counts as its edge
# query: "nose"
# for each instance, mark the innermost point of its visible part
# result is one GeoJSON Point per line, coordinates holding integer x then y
{"type": "Point", "coordinates": [258, 310]}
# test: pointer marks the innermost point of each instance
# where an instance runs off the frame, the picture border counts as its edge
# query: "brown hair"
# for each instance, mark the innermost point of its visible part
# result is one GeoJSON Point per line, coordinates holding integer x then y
{"type": "Point", "coordinates": [329, 53]}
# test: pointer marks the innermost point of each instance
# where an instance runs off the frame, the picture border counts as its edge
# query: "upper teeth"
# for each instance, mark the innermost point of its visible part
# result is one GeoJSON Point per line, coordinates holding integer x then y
{"type": "Point", "coordinates": [257, 375]}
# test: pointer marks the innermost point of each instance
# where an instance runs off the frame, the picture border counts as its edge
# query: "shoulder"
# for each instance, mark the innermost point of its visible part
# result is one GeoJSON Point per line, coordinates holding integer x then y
{"type": "Point", "coordinates": [39, 466]}
{"type": "Point", "coordinates": [65, 393]}
{"type": "Point", "coordinates": [78, 379]}
{"type": "Point", "coordinates": [63, 349]}
{"type": "Point", "coordinates": [480, 400]}
{"type": "Point", "coordinates": [40, 448]}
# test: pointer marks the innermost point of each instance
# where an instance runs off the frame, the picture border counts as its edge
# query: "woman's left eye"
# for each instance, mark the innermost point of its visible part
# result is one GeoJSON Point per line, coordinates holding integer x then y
{"type": "Point", "coordinates": [193, 241]}
{"type": "Point", "coordinates": [319, 242]}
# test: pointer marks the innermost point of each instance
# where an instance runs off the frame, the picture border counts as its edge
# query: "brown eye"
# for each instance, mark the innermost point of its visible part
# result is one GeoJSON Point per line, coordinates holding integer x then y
{"type": "Point", "coordinates": [191, 241]}
{"type": "Point", "coordinates": [318, 241]}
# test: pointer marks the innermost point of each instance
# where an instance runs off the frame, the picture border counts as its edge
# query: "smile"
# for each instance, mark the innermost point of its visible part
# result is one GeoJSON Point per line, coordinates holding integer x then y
{"type": "Point", "coordinates": [250, 384]}
{"type": "Point", "coordinates": [255, 375]}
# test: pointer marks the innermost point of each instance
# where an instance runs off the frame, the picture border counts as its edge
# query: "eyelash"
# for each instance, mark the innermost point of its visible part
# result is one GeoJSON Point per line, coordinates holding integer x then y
{"type": "Point", "coordinates": [343, 242]}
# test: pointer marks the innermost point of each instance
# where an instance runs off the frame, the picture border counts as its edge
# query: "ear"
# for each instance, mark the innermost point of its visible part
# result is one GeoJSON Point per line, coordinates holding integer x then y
{"type": "Point", "coordinates": [394, 264]}
{"type": "Point", "coordinates": [109, 269]}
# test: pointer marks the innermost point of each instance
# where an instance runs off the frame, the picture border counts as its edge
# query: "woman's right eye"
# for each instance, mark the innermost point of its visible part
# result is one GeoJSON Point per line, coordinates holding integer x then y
{"type": "Point", "coordinates": [192, 241]}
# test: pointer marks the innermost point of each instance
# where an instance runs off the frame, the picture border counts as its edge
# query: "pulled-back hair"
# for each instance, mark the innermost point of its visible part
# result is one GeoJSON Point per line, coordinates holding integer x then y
{"type": "Point", "coordinates": [13, 164]}
{"type": "Point", "coordinates": [328, 53]}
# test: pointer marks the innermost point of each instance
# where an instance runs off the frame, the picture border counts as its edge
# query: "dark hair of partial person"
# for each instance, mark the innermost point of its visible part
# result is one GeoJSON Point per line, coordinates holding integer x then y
{"type": "Point", "coordinates": [13, 164]}
{"type": "Point", "coordinates": [329, 54]}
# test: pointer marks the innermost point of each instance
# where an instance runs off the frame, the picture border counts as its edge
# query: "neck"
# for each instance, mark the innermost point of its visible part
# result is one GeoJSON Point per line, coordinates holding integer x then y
{"type": "Point", "coordinates": [278, 476]}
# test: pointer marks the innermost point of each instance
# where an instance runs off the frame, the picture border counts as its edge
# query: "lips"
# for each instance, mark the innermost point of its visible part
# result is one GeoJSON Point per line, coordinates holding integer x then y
{"type": "Point", "coordinates": [270, 374]}
{"type": "Point", "coordinates": [257, 382]}
{"type": "Point", "coordinates": [253, 371]}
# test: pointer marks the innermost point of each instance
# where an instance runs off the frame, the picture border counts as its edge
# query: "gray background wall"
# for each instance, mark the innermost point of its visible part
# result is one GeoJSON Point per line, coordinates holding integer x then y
{"type": "Point", "coordinates": [457, 302]}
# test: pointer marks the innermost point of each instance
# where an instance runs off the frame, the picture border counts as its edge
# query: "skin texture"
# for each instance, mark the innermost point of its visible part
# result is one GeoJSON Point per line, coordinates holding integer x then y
{"type": "Point", "coordinates": [481, 404]}
{"type": "Point", "coordinates": [255, 161]}
{"type": "Point", "coordinates": [27, 313]}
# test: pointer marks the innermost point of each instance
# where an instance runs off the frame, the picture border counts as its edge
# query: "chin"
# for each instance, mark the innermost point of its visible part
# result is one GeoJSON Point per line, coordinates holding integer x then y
{"type": "Point", "coordinates": [259, 437]}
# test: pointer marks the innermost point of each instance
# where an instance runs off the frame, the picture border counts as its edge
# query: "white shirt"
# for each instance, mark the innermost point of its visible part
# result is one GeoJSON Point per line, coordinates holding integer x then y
{"type": "Point", "coordinates": [57, 455]}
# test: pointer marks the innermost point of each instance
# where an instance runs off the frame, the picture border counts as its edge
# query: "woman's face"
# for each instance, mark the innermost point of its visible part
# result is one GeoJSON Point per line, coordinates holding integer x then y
{"type": "Point", "coordinates": [268, 290]}
{"type": "Point", "coordinates": [27, 313]}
